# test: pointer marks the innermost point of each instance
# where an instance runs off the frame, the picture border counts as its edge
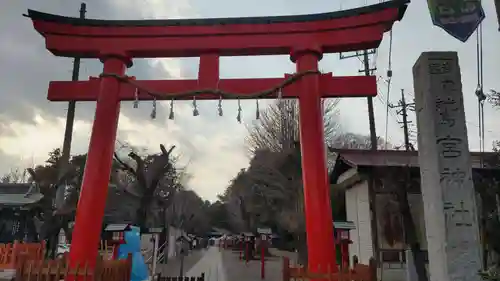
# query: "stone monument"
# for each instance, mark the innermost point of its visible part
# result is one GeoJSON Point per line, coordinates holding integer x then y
{"type": "Point", "coordinates": [448, 194]}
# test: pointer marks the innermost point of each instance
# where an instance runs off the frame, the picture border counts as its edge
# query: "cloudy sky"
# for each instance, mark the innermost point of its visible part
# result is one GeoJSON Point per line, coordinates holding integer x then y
{"type": "Point", "coordinates": [213, 147]}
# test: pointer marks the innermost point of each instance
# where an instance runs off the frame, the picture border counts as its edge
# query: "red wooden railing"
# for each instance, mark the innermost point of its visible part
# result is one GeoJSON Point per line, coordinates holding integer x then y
{"type": "Point", "coordinates": [358, 272]}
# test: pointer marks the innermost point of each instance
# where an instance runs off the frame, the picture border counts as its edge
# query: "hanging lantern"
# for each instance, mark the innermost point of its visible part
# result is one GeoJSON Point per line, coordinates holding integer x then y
{"type": "Point", "coordinates": [136, 98]}
{"type": "Point", "coordinates": [257, 110]}
{"type": "Point", "coordinates": [171, 114]}
{"type": "Point", "coordinates": [195, 108]}
{"type": "Point", "coordinates": [238, 117]}
{"type": "Point", "coordinates": [220, 107]}
{"type": "Point", "coordinates": [153, 112]}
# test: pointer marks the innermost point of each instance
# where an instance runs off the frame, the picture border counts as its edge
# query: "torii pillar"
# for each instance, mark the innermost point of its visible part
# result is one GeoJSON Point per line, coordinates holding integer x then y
{"type": "Point", "coordinates": [313, 157]}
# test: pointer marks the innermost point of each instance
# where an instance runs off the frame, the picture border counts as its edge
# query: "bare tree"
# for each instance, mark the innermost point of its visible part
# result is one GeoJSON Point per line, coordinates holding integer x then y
{"type": "Point", "coordinates": [187, 212]}
{"type": "Point", "coordinates": [15, 176]}
{"type": "Point", "coordinates": [149, 173]}
{"type": "Point", "coordinates": [278, 126]}
{"type": "Point", "coordinates": [353, 141]}
{"type": "Point", "coordinates": [234, 201]}
{"type": "Point", "coordinates": [271, 189]}
{"type": "Point", "coordinates": [54, 219]}
{"type": "Point", "coordinates": [275, 170]}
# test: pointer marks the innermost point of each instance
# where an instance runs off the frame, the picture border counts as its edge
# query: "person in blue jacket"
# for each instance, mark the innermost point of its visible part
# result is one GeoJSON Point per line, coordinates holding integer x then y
{"type": "Point", "coordinates": [133, 246]}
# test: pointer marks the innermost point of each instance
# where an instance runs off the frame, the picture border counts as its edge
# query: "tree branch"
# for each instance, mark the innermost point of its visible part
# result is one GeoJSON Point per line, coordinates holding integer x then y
{"type": "Point", "coordinates": [140, 170]}
{"type": "Point", "coordinates": [164, 151]}
{"type": "Point", "coordinates": [33, 175]}
{"type": "Point", "coordinates": [124, 166]}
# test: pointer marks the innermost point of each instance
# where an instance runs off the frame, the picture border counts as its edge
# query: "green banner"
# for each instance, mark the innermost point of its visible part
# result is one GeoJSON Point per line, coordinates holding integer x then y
{"type": "Point", "coordinates": [497, 7]}
{"type": "Point", "coordinates": [459, 18]}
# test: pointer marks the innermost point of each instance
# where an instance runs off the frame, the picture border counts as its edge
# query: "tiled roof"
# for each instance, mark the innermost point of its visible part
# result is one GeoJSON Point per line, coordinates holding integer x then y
{"type": "Point", "coordinates": [358, 158]}
{"type": "Point", "coordinates": [396, 158]}
{"type": "Point", "coordinates": [14, 188]}
{"type": "Point", "coordinates": [18, 194]}
{"type": "Point", "coordinates": [11, 200]}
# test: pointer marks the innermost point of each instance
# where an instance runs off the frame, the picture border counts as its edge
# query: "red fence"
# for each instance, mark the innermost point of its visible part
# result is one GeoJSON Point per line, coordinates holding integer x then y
{"type": "Point", "coordinates": [358, 272]}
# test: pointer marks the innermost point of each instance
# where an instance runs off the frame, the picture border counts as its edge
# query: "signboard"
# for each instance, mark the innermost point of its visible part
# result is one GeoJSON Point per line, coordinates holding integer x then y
{"type": "Point", "coordinates": [264, 231]}
{"type": "Point", "coordinates": [459, 18]}
{"type": "Point", "coordinates": [117, 227]}
{"type": "Point", "coordinates": [153, 230]}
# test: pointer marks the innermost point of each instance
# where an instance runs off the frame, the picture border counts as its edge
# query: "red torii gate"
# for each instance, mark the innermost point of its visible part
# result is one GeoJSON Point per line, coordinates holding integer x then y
{"type": "Point", "coordinates": [304, 37]}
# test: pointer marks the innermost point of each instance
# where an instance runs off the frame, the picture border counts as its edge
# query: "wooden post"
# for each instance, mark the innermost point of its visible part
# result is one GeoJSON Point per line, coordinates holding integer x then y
{"type": "Point", "coordinates": [262, 259]}
{"type": "Point", "coordinates": [286, 269]}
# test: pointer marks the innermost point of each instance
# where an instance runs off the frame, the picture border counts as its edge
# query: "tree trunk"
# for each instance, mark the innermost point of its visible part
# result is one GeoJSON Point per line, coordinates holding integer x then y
{"type": "Point", "coordinates": [68, 232]}
{"type": "Point", "coordinates": [32, 233]}
{"type": "Point", "coordinates": [142, 212]}
{"type": "Point", "coordinates": [411, 234]}
{"type": "Point", "coordinates": [141, 216]}
{"type": "Point", "coordinates": [50, 253]}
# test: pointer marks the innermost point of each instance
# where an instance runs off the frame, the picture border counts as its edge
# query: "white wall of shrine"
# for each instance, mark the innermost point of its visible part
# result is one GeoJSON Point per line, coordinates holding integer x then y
{"type": "Point", "coordinates": [358, 211]}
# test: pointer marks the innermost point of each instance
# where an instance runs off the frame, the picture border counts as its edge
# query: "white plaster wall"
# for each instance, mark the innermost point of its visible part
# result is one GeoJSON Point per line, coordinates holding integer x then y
{"type": "Point", "coordinates": [358, 211]}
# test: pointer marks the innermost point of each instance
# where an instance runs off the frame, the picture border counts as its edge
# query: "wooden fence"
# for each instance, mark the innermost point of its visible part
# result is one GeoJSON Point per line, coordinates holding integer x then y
{"type": "Point", "coordinates": [55, 270]}
{"type": "Point", "coordinates": [197, 278]}
{"type": "Point", "coordinates": [9, 253]}
{"type": "Point", "coordinates": [358, 272]}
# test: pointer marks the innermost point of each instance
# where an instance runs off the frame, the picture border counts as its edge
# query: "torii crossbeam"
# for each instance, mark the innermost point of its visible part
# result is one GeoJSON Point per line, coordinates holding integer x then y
{"type": "Point", "coordinates": [305, 38]}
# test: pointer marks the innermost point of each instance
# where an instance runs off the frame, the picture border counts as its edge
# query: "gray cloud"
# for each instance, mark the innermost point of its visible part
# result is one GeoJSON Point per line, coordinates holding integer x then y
{"type": "Point", "coordinates": [27, 68]}
{"type": "Point", "coordinates": [213, 144]}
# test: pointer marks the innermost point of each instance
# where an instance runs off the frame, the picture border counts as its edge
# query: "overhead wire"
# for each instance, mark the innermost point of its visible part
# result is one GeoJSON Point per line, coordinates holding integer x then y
{"type": "Point", "coordinates": [384, 103]}
{"type": "Point", "coordinates": [493, 134]}
{"type": "Point", "coordinates": [381, 99]}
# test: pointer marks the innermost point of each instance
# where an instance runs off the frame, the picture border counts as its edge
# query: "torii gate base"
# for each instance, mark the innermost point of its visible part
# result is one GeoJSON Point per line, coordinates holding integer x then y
{"type": "Point", "coordinates": [305, 38]}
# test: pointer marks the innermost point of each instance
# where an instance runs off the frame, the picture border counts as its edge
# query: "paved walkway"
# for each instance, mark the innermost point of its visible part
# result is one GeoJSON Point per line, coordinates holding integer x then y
{"type": "Point", "coordinates": [173, 266]}
{"type": "Point", "coordinates": [251, 271]}
{"type": "Point", "coordinates": [225, 265]}
{"type": "Point", "coordinates": [211, 264]}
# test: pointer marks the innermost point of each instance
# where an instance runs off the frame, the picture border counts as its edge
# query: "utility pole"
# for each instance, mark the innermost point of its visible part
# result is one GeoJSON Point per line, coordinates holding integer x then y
{"type": "Point", "coordinates": [371, 113]}
{"type": "Point", "coordinates": [373, 141]}
{"type": "Point", "coordinates": [68, 133]}
{"type": "Point", "coordinates": [410, 228]}
{"type": "Point", "coordinates": [403, 111]}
